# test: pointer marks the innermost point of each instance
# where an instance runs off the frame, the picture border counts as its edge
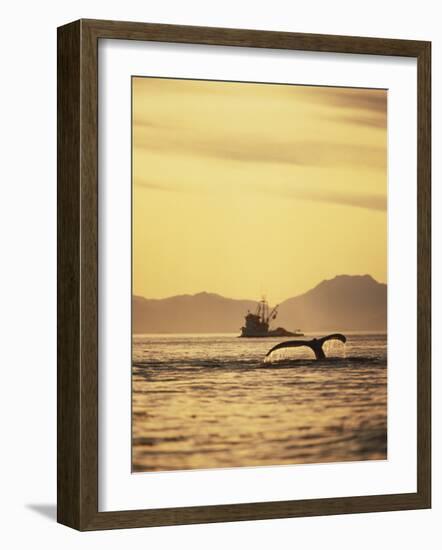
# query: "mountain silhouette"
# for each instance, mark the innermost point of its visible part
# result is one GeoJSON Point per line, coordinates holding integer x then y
{"type": "Point", "coordinates": [352, 302]}
{"type": "Point", "coordinates": [347, 302]}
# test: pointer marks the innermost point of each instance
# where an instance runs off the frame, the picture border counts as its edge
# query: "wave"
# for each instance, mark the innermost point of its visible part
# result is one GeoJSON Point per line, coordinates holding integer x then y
{"type": "Point", "coordinates": [195, 364]}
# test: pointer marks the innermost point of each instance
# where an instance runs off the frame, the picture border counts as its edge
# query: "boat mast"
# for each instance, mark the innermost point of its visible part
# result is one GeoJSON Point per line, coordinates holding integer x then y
{"type": "Point", "coordinates": [263, 310]}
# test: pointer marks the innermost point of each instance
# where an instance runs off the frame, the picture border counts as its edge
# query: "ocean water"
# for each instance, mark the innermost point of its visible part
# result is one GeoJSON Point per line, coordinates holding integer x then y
{"type": "Point", "coordinates": [212, 401]}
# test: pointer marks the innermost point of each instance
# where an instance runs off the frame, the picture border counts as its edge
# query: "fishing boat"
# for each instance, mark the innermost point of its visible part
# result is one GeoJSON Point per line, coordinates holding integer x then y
{"type": "Point", "coordinates": [257, 325]}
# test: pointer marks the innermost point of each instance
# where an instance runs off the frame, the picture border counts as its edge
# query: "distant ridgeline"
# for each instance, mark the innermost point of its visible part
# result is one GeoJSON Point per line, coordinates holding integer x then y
{"type": "Point", "coordinates": [351, 302]}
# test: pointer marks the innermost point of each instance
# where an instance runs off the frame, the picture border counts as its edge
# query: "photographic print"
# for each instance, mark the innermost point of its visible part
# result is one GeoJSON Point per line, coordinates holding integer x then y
{"type": "Point", "coordinates": [259, 274]}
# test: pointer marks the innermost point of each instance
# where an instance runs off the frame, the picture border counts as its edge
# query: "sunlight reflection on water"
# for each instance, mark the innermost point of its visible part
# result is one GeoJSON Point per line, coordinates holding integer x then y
{"type": "Point", "coordinates": [208, 401]}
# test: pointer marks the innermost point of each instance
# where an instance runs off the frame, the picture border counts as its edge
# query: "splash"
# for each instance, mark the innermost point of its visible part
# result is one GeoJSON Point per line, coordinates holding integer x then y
{"type": "Point", "coordinates": [335, 349]}
{"type": "Point", "coordinates": [290, 354]}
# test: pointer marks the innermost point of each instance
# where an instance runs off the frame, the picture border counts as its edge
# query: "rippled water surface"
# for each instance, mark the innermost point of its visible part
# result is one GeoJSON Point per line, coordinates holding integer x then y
{"type": "Point", "coordinates": [211, 401]}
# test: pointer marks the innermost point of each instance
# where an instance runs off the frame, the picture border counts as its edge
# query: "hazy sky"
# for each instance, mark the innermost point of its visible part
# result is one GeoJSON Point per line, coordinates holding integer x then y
{"type": "Point", "coordinates": [249, 189]}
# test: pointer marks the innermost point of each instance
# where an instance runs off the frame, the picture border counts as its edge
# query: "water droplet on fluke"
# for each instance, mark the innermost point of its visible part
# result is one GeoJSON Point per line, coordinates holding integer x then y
{"type": "Point", "coordinates": [334, 349]}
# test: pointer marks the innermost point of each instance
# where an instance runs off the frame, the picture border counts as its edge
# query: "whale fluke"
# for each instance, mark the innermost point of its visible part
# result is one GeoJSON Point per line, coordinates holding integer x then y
{"type": "Point", "coordinates": [315, 344]}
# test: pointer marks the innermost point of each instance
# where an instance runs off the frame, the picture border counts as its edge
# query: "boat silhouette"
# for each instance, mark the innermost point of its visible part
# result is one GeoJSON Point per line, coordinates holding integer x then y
{"type": "Point", "coordinates": [257, 325]}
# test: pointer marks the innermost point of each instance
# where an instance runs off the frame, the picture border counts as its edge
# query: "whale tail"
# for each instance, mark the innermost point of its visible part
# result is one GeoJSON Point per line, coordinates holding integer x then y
{"type": "Point", "coordinates": [315, 344]}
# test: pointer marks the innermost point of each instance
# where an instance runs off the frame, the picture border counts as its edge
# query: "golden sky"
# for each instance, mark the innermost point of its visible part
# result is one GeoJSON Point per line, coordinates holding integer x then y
{"type": "Point", "coordinates": [249, 189]}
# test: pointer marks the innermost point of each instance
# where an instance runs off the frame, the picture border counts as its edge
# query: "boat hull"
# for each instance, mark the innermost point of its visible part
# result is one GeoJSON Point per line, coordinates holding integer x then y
{"type": "Point", "coordinates": [279, 332]}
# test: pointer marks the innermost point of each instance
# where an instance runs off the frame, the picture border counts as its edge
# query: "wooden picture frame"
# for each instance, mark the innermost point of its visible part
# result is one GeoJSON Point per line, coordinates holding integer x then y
{"type": "Point", "coordinates": [78, 274]}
